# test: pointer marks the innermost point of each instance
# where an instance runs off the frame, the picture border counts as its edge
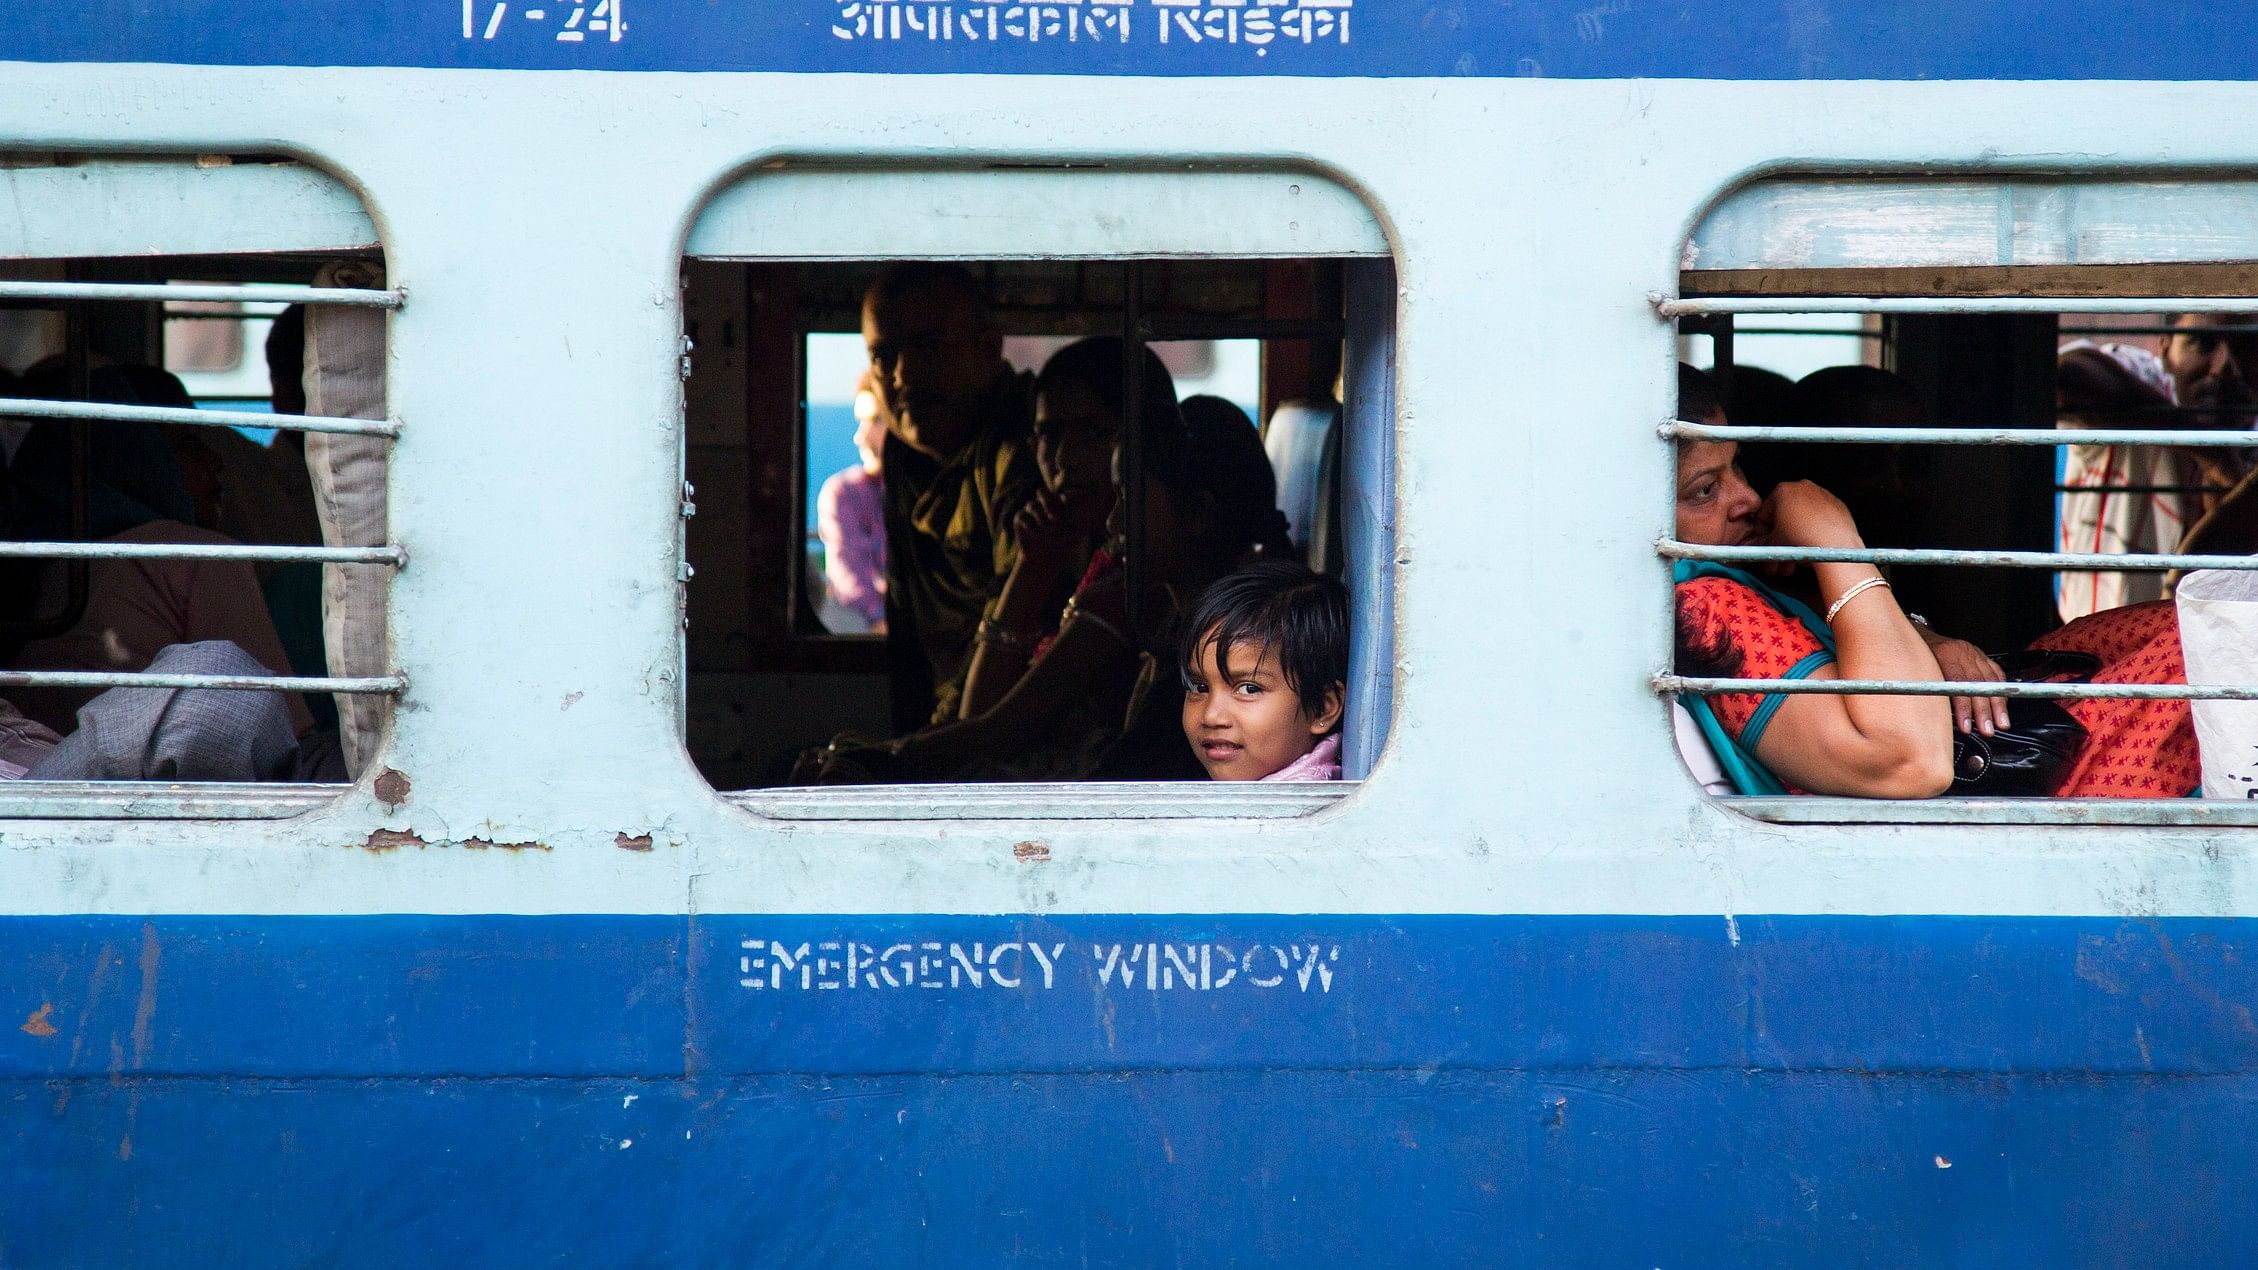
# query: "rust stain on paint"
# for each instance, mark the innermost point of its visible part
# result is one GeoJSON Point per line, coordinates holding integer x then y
{"type": "Point", "coordinates": [392, 787]}
{"type": "Point", "coordinates": [381, 840]}
{"type": "Point", "coordinates": [639, 842]}
{"type": "Point", "coordinates": [39, 1024]}
{"type": "Point", "coordinates": [1031, 852]}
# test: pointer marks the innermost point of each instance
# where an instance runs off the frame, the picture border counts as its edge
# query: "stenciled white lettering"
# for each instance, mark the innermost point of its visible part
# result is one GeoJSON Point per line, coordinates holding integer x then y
{"type": "Point", "coordinates": [1021, 965]}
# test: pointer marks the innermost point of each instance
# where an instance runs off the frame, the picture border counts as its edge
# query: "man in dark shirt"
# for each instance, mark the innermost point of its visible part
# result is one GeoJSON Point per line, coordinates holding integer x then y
{"type": "Point", "coordinates": [959, 465]}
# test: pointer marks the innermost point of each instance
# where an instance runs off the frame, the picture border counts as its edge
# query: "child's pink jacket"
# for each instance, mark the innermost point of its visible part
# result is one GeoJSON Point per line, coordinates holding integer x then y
{"type": "Point", "coordinates": [1320, 764]}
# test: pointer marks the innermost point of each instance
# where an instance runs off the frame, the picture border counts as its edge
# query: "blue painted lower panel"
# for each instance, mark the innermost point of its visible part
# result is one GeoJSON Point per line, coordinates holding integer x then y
{"type": "Point", "coordinates": [1607, 1091]}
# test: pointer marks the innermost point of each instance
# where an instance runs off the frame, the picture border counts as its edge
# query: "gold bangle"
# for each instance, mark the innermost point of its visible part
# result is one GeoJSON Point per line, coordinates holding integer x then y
{"type": "Point", "coordinates": [1852, 594]}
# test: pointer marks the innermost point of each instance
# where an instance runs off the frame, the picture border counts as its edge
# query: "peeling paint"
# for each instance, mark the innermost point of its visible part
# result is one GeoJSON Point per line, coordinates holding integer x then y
{"type": "Point", "coordinates": [392, 840]}
{"type": "Point", "coordinates": [38, 1023]}
{"type": "Point", "coordinates": [145, 1008]}
{"type": "Point", "coordinates": [392, 787]}
{"type": "Point", "coordinates": [1031, 852]}
{"type": "Point", "coordinates": [639, 842]}
{"type": "Point", "coordinates": [488, 844]}
{"type": "Point", "coordinates": [382, 840]}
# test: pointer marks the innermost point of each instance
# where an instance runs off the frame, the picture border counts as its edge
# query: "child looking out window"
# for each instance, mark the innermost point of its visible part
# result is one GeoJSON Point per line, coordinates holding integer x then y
{"type": "Point", "coordinates": [1265, 664]}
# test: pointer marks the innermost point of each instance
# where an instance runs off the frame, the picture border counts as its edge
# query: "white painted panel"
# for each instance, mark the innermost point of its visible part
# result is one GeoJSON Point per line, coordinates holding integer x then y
{"type": "Point", "coordinates": [1032, 213]}
{"type": "Point", "coordinates": [1909, 222]}
{"type": "Point", "coordinates": [166, 206]}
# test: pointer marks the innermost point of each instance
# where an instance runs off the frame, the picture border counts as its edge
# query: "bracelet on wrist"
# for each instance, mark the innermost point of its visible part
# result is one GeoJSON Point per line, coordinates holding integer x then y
{"type": "Point", "coordinates": [1852, 594]}
{"type": "Point", "coordinates": [995, 636]}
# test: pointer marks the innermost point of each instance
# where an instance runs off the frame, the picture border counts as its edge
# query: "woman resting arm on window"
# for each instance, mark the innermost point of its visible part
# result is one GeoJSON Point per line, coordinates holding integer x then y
{"type": "Point", "coordinates": [1732, 624]}
{"type": "Point", "coordinates": [1872, 746]}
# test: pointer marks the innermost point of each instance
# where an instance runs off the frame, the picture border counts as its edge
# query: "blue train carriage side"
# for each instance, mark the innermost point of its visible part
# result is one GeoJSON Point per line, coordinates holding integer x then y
{"type": "Point", "coordinates": [530, 990]}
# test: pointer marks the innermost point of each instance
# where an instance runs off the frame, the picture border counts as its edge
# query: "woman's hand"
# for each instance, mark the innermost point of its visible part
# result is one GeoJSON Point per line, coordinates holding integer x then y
{"type": "Point", "coordinates": [1801, 514]}
{"type": "Point", "coordinates": [1963, 662]}
{"type": "Point", "coordinates": [1046, 531]}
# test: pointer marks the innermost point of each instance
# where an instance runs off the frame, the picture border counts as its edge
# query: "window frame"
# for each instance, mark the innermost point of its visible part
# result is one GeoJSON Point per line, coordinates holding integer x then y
{"type": "Point", "coordinates": [1369, 495]}
{"type": "Point", "coordinates": [1920, 279]}
{"type": "Point", "coordinates": [252, 217]}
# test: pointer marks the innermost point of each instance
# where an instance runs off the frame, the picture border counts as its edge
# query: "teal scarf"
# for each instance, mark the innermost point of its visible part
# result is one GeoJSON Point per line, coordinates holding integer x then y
{"type": "Point", "coordinates": [1738, 757]}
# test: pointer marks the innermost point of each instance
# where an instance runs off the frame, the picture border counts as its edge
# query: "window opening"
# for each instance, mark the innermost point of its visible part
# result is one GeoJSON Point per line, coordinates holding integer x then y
{"type": "Point", "coordinates": [1992, 388]}
{"type": "Point", "coordinates": [778, 667]}
{"type": "Point", "coordinates": [167, 582]}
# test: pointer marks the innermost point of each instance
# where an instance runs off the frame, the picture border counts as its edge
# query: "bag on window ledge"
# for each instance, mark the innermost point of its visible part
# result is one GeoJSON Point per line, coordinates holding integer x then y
{"type": "Point", "coordinates": [2029, 758]}
{"type": "Point", "coordinates": [2218, 611]}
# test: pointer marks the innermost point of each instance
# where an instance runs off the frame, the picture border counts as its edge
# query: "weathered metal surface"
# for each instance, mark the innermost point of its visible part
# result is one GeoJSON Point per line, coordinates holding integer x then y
{"type": "Point", "coordinates": [1601, 39]}
{"type": "Point", "coordinates": [1955, 221]}
{"type": "Point", "coordinates": [1277, 1090]}
{"type": "Point", "coordinates": [128, 205]}
{"type": "Point", "coordinates": [799, 212]}
{"type": "Point", "coordinates": [310, 1063]}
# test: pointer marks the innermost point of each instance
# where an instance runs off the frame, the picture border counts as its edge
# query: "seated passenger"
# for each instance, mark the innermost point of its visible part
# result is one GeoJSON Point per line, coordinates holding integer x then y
{"type": "Point", "coordinates": [1730, 624]}
{"type": "Point", "coordinates": [1265, 662]}
{"type": "Point", "coordinates": [959, 466]}
{"type": "Point", "coordinates": [850, 519]}
{"type": "Point", "coordinates": [1210, 504]}
{"type": "Point", "coordinates": [170, 734]}
{"type": "Point", "coordinates": [1062, 529]}
{"type": "Point", "coordinates": [135, 607]}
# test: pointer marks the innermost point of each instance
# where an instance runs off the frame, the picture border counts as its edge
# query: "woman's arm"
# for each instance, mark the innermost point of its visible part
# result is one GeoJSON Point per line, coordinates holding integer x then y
{"type": "Point", "coordinates": [1018, 618]}
{"type": "Point", "coordinates": [1086, 662]}
{"type": "Point", "coordinates": [1867, 746]}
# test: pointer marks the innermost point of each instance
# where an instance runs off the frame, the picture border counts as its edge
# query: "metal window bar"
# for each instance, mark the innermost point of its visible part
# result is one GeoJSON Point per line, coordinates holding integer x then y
{"type": "Point", "coordinates": [2068, 561]}
{"type": "Point", "coordinates": [78, 414]}
{"type": "Point", "coordinates": [1135, 329]}
{"type": "Point", "coordinates": [373, 684]}
{"type": "Point", "coordinates": [1687, 430]}
{"type": "Point", "coordinates": [106, 412]}
{"type": "Point", "coordinates": [387, 554]}
{"type": "Point", "coordinates": [243, 292]}
{"type": "Point", "coordinates": [1702, 686]}
{"type": "Point", "coordinates": [1715, 315]}
{"type": "Point", "coordinates": [1670, 307]}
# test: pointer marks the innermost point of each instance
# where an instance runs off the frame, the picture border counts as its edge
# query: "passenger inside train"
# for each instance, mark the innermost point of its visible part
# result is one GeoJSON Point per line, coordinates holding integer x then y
{"type": "Point", "coordinates": [1034, 626]}
{"type": "Point", "coordinates": [1265, 661]}
{"type": "Point", "coordinates": [140, 486]}
{"type": "Point", "coordinates": [1733, 624]}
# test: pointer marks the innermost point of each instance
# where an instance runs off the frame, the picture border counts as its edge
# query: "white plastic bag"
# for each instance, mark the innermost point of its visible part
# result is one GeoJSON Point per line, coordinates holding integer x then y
{"type": "Point", "coordinates": [2219, 637]}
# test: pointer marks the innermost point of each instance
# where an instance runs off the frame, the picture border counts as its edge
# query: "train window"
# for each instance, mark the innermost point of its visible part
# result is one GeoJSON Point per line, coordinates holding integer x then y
{"type": "Point", "coordinates": [196, 567]}
{"type": "Point", "coordinates": [1984, 427]}
{"type": "Point", "coordinates": [1259, 424]}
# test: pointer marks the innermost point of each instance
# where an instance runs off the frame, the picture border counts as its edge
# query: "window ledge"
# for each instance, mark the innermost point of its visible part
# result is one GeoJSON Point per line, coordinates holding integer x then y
{"type": "Point", "coordinates": [151, 800]}
{"type": "Point", "coordinates": [2151, 812]}
{"type": "Point", "coordinates": [1125, 801]}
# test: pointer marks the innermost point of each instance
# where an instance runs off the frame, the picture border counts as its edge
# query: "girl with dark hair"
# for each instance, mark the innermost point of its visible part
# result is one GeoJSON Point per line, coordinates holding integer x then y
{"type": "Point", "coordinates": [1265, 664]}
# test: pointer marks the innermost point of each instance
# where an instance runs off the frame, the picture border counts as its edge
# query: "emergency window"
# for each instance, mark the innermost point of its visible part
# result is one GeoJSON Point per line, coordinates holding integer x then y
{"type": "Point", "coordinates": [1267, 295]}
{"type": "Point", "coordinates": [194, 572]}
{"type": "Point", "coordinates": [2029, 394]}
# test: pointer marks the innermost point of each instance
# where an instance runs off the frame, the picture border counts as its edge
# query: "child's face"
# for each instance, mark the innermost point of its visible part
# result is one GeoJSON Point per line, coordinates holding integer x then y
{"type": "Point", "coordinates": [1244, 721]}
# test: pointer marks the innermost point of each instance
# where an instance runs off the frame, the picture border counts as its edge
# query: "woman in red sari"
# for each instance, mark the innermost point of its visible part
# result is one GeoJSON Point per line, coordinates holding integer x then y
{"type": "Point", "coordinates": [1731, 624]}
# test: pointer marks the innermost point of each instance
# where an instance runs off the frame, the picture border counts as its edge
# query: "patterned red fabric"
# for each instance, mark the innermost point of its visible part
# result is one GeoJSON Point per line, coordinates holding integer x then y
{"type": "Point", "coordinates": [2134, 749]}
{"type": "Point", "coordinates": [1722, 613]}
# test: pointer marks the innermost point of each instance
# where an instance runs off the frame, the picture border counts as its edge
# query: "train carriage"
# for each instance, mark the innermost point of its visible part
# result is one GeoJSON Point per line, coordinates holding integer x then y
{"type": "Point", "coordinates": [566, 974]}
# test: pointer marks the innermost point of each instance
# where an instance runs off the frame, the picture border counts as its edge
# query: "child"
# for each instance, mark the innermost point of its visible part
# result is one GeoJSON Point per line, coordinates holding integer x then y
{"type": "Point", "coordinates": [1265, 664]}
